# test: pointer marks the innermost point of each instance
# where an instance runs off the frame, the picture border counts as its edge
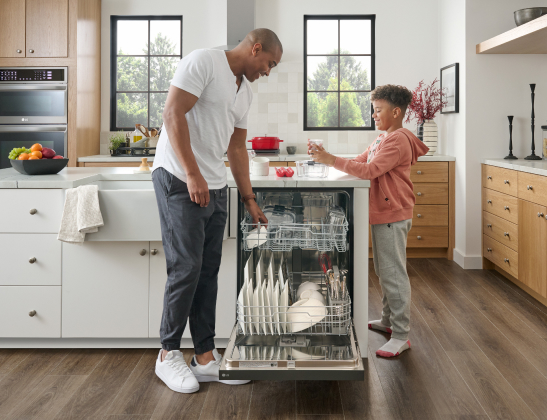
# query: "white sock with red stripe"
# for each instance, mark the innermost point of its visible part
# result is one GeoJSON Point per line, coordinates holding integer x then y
{"type": "Point", "coordinates": [377, 325]}
{"type": "Point", "coordinates": [393, 347]}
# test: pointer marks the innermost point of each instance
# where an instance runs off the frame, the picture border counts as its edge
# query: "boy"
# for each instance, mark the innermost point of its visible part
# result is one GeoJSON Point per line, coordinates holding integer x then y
{"type": "Point", "coordinates": [386, 162]}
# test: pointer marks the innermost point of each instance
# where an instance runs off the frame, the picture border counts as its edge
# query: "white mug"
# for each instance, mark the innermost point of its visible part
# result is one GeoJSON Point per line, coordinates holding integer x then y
{"type": "Point", "coordinates": [261, 166]}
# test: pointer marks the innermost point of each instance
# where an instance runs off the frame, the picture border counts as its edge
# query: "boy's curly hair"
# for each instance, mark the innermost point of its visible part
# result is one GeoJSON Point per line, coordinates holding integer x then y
{"type": "Point", "coordinates": [396, 95]}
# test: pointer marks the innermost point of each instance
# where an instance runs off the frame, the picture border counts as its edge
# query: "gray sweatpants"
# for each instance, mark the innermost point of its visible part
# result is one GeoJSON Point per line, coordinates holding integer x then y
{"type": "Point", "coordinates": [389, 254]}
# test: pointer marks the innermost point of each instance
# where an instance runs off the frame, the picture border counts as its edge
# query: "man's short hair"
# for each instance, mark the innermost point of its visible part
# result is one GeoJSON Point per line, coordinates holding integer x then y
{"type": "Point", "coordinates": [396, 95]}
{"type": "Point", "coordinates": [266, 37]}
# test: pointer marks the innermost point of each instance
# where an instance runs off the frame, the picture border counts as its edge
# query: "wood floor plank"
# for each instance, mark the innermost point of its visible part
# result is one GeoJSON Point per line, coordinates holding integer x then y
{"type": "Point", "coordinates": [102, 385]}
{"type": "Point", "coordinates": [527, 381]}
{"type": "Point", "coordinates": [127, 417]}
{"type": "Point", "coordinates": [80, 362]}
{"type": "Point", "coordinates": [365, 399]}
{"type": "Point", "coordinates": [321, 417]}
{"type": "Point", "coordinates": [47, 398]}
{"type": "Point", "coordinates": [10, 358]}
{"type": "Point", "coordinates": [177, 406]}
{"type": "Point", "coordinates": [511, 326]}
{"type": "Point", "coordinates": [227, 402]}
{"type": "Point", "coordinates": [274, 400]}
{"type": "Point", "coordinates": [17, 384]}
{"type": "Point", "coordinates": [143, 389]}
{"type": "Point", "coordinates": [318, 397]}
{"type": "Point", "coordinates": [491, 389]}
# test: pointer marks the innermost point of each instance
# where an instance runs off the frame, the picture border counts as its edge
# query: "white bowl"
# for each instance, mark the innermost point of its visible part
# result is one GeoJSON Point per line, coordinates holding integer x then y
{"type": "Point", "coordinates": [304, 314]}
{"type": "Point", "coordinates": [312, 294]}
{"type": "Point", "coordinates": [261, 166]}
{"type": "Point", "coordinates": [307, 285]}
{"type": "Point", "coordinates": [256, 238]}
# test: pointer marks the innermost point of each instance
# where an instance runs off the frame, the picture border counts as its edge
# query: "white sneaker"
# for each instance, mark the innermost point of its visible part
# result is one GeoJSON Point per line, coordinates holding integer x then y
{"type": "Point", "coordinates": [209, 372]}
{"type": "Point", "coordinates": [174, 372]}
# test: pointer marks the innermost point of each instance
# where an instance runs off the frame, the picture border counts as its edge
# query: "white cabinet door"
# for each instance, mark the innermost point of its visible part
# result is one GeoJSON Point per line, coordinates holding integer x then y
{"type": "Point", "coordinates": [105, 289]}
{"type": "Point", "coordinates": [226, 299]}
{"type": "Point", "coordinates": [30, 210]}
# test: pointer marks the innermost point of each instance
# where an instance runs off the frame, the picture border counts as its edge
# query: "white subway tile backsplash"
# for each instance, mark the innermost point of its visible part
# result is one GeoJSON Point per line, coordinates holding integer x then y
{"type": "Point", "coordinates": [333, 148]}
{"type": "Point", "coordinates": [282, 107]}
{"type": "Point", "coordinates": [283, 118]}
{"type": "Point", "coordinates": [272, 128]}
{"type": "Point", "coordinates": [282, 87]}
{"type": "Point", "coordinates": [293, 117]}
{"type": "Point", "coordinates": [272, 107]}
{"type": "Point", "coordinates": [292, 107]}
{"type": "Point", "coordinates": [262, 118]}
{"type": "Point", "coordinates": [293, 77]}
{"type": "Point", "coordinates": [272, 117]}
{"type": "Point", "coordinates": [353, 148]}
{"type": "Point", "coordinates": [272, 78]}
{"type": "Point", "coordinates": [293, 127]}
{"type": "Point", "coordinates": [263, 107]}
{"type": "Point", "coordinates": [254, 87]}
{"type": "Point", "coordinates": [282, 98]}
{"type": "Point", "coordinates": [293, 97]}
{"type": "Point", "coordinates": [282, 77]}
{"type": "Point", "coordinates": [262, 87]}
{"type": "Point", "coordinates": [342, 148]}
{"type": "Point", "coordinates": [272, 87]}
{"type": "Point", "coordinates": [283, 128]}
{"type": "Point", "coordinates": [293, 87]}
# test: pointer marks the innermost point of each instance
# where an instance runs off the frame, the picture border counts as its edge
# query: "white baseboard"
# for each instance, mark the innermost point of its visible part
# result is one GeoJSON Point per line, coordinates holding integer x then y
{"type": "Point", "coordinates": [469, 262]}
{"type": "Point", "coordinates": [91, 343]}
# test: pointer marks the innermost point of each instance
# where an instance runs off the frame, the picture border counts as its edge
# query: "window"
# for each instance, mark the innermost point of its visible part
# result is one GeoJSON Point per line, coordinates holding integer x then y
{"type": "Point", "coordinates": [339, 72]}
{"type": "Point", "coordinates": [144, 54]}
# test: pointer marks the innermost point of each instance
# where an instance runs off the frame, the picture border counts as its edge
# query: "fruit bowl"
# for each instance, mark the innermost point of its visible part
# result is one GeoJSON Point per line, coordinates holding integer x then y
{"type": "Point", "coordinates": [39, 166]}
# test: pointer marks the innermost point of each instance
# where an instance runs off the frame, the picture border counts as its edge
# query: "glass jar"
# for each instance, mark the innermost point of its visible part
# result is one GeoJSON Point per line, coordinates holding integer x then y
{"type": "Point", "coordinates": [544, 142]}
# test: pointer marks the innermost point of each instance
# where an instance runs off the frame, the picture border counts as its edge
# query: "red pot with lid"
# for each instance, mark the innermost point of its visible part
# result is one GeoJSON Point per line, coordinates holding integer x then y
{"type": "Point", "coordinates": [265, 143]}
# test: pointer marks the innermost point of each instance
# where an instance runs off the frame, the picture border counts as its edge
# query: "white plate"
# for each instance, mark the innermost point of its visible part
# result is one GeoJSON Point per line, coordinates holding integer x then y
{"type": "Point", "coordinates": [305, 313]}
{"type": "Point", "coordinates": [306, 286]}
{"type": "Point", "coordinates": [241, 307]}
{"type": "Point", "coordinates": [313, 294]}
{"type": "Point", "coordinates": [283, 307]}
{"type": "Point", "coordinates": [256, 238]}
{"type": "Point", "coordinates": [262, 320]}
{"type": "Point", "coordinates": [249, 304]}
{"type": "Point", "coordinates": [275, 305]}
{"type": "Point", "coordinates": [255, 309]}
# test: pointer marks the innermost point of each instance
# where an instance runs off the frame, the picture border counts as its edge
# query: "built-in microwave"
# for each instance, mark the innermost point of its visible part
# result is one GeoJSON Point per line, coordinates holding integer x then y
{"type": "Point", "coordinates": [33, 95]}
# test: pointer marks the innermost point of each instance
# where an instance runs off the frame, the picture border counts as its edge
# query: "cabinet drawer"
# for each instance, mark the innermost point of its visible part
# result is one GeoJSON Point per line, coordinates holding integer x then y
{"type": "Point", "coordinates": [18, 217]}
{"type": "Point", "coordinates": [500, 179]}
{"type": "Point", "coordinates": [429, 172]}
{"type": "Point", "coordinates": [502, 205]}
{"type": "Point", "coordinates": [30, 259]}
{"type": "Point", "coordinates": [501, 230]}
{"type": "Point", "coordinates": [16, 302]}
{"type": "Point", "coordinates": [504, 257]}
{"type": "Point", "coordinates": [427, 237]}
{"type": "Point", "coordinates": [533, 188]}
{"type": "Point", "coordinates": [431, 193]}
{"type": "Point", "coordinates": [430, 215]}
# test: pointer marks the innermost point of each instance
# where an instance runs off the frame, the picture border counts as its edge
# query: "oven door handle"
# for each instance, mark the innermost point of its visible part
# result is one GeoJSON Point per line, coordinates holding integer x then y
{"type": "Point", "coordinates": [32, 128]}
{"type": "Point", "coordinates": [32, 87]}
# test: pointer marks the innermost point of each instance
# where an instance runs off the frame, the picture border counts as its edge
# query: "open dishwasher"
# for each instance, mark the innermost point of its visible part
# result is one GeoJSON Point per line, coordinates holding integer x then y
{"type": "Point", "coordinates": [296, 289]}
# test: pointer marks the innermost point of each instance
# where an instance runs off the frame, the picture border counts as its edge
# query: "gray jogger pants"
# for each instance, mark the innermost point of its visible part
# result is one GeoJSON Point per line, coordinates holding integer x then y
{"type": "Point", "coordinates": [389, 252]}
{"type": "Point", "coordinates": [192, 241]}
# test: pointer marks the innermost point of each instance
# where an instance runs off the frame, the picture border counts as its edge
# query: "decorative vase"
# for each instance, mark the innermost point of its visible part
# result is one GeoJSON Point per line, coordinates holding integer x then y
{"type": "Point", "coordinates": [430, 136]}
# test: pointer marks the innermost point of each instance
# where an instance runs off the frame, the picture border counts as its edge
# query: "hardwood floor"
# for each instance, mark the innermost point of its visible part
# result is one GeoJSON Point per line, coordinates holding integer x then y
{"type": "Point", "coordinates": [479, 351]}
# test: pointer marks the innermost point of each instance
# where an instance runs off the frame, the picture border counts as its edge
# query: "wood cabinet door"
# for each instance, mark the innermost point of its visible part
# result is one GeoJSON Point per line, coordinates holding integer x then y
{"type": "Point", "coordinates": [12, 28]}
{"type": "Point", "coordinates": [533, 246]}
{"type": "Point", "coordinates": [105, 289]}
{"type": "Point", "coordinates": [47, 28]}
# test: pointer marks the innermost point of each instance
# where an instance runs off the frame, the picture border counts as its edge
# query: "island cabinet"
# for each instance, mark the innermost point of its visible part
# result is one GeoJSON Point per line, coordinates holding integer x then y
{"type": "Point", "coordinates": [514, 226]}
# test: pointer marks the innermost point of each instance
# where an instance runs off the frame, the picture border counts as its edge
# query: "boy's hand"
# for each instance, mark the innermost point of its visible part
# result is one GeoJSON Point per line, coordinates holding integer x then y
{"type": "Point", "coordinates": [320, 155]}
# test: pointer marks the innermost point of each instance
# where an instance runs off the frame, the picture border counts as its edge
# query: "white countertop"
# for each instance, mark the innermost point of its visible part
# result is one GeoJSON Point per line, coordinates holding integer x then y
{"type": "Point", "coordinates": [282, 157]}
{"type": "Point", "coordinates": [538, 167]}
{"type": "Point", "coordinates": [74, 177]}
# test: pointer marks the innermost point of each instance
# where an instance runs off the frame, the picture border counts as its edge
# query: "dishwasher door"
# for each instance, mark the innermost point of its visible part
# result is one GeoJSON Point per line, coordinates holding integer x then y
{"type": "Point", "coordinates": [327, 348]}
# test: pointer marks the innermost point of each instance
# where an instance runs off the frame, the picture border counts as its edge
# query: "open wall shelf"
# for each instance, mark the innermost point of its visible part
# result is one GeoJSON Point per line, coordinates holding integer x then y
{"type": "Point", "coordinates": [530, 38]}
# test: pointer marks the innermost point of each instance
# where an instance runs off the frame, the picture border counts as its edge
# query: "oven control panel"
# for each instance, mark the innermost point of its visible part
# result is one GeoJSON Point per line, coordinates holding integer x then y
{"type": "Point", "coordinates": [30, 74]}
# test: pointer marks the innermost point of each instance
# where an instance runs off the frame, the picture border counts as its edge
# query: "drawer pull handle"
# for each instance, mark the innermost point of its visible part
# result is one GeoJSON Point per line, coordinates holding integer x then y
{"type": "Point", "coordinates": [506, 208]}
{"type": "Point", "coordinates": [142, 252]}
{"type": "Point", "coordinates": [540, 214]}
{"type": "Point", "coordinates": [506, 181]}
{"type": "Point", "coordinates": [419, 194]}
{"type": "Point", "coordinates": [33, 211]}
{"type": "Point", "coordinates": [32, 260]}
{"type": "Point", "coordinates": [529, 187]}
{"type": "Point", "coordinates": [419, 215]}
{"type": "Point", "coordinates": [489, 201]}
{"type": "Point", "coordinates": [419, 238]}
{"type": "Point", "coordinates": [154, 251]}
{"type": "Point", "coordinates": [489, 226]}
{"type": "Point", "coordinates": [505, 233]}
{"type": "Point", "coordinates": [506, 260]}
{"type": "Point", "coordinates": [419, 172]}
{"type": "Point", "coordinates": [32, 313]}
{"type": "Point", "coordinates": [19, 51]}
{"type": "Point", "coordinates": [31, 51]}
{"type": "Point", "coordinates": [489, 249]}
{"type": "Point", "coordinates": [488, 177]}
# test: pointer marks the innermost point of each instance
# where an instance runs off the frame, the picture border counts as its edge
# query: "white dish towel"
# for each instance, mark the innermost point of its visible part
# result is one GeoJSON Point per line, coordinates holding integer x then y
{"type": "Point", "coordinates": [81, 214]}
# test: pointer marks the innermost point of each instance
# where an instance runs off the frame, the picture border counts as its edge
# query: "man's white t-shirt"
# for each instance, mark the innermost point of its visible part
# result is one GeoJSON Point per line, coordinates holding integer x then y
{"type": "Point", "coordinates": [220, 107]}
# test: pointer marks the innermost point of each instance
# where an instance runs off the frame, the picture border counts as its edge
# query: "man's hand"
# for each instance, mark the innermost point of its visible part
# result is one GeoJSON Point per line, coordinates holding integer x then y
{"type": "Point", "coordinates": [320, 155]}
{"type": "Point", "coordinates": [255, 213]}
{"type": "Point", "coordinates": [198, 190]}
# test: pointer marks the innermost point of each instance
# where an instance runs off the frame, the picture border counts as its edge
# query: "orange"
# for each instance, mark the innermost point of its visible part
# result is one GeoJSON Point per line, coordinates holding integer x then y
{"type": "Point", "coordinates": [37, 147]}
{"type": "Point", "coordinates": [37, 153]}
{"type": "Point", "coordinates": [23, 156]}
{"type": "Point", "coordinates": [32, 157]}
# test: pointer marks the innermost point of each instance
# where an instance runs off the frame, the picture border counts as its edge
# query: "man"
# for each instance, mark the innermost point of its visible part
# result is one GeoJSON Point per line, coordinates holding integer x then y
{"type": "Point", "coordinates": [205, 114]}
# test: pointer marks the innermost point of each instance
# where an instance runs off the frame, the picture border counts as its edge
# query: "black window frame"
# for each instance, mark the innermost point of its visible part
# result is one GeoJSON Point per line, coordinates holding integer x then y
{"type": "Point", "coordinates": [372, 55]}
{"type": "Point", "coordinates": [114, 61]}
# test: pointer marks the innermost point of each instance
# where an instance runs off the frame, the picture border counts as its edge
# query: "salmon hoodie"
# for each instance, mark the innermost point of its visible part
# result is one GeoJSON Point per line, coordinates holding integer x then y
{"type": "Point", "coordinates": [391, 191]}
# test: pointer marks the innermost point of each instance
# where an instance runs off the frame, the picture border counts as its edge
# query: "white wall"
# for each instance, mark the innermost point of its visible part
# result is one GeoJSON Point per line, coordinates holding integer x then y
{"type": "Point", "coordinates": [406, 52]}
{"type": "Point", "coordinates": [203, 26]}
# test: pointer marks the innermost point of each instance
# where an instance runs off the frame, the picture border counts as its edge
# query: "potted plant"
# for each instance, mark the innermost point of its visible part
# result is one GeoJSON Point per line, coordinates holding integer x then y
{"type": "Point", "coordinates": [427, 101]}
{"type": "Point", "coordinates": [116, 141]}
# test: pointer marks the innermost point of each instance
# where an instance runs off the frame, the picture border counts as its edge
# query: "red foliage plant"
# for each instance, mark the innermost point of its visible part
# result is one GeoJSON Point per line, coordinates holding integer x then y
{"type": "Point", "coordinates": [427, 100]}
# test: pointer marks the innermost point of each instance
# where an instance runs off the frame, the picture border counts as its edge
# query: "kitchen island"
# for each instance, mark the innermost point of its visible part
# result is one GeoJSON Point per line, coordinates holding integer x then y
{"type": "Point", "coordinates": [108, 292]}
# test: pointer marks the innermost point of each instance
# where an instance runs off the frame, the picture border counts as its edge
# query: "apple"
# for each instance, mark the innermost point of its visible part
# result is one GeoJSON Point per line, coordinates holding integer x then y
{"type": "Point", "coordinates": [58, 157]}
{"type": "Point", "coordinates": [48, 153]}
